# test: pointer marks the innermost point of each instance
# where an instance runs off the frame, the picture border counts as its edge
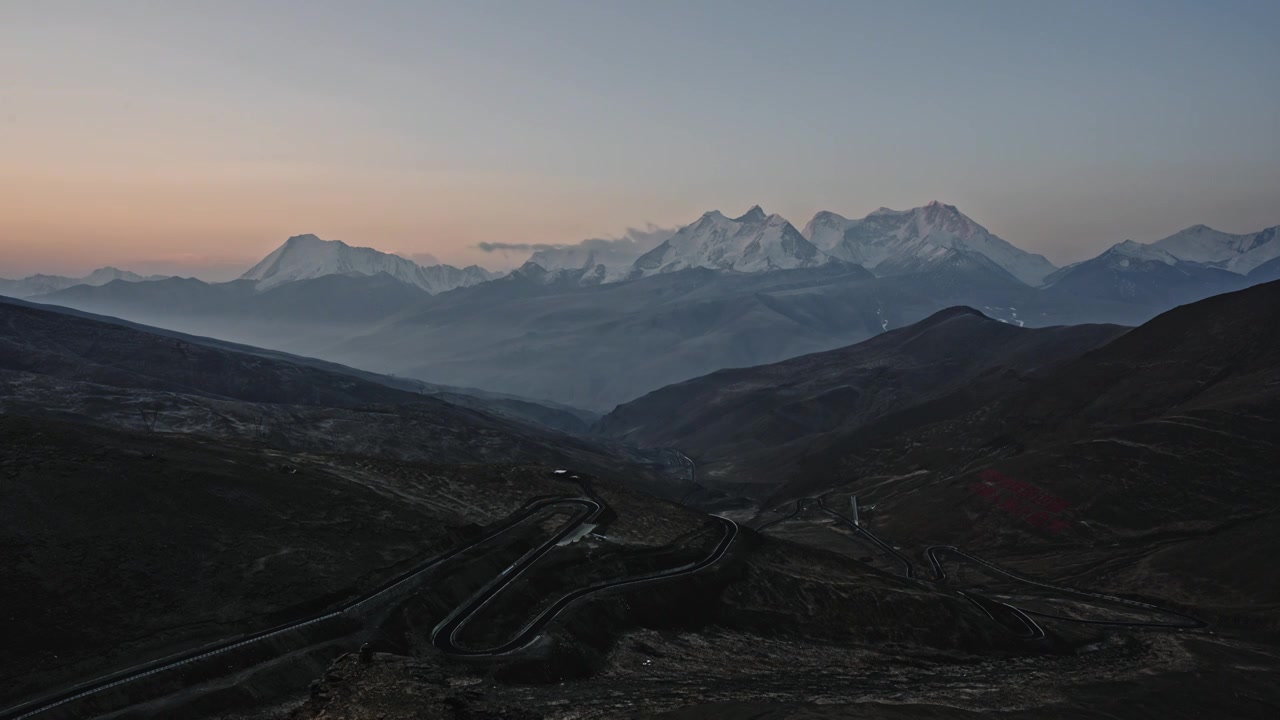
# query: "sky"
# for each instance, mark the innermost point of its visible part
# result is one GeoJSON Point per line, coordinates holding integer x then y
{"type": "Point", "coordinates": [195, 137]}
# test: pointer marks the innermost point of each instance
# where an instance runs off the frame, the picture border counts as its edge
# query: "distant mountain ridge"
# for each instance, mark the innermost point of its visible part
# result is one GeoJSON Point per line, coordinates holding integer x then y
{"type": "Point", "coordinates": [929, 238]}
{"type": "Point", "coordinates": [1132, 272]}
{"type": "Point", "coordinates": [349, 299]}
{"type": "Point", "coordinates": [1189, 265]}
{"type": "Point", "coordinates": [1237, 253]}
{"type": "Point", "coordinates": [720, 292]}
{"type": "Point", "coordinates": [43, 284]}
{"type": "Point", "coordinates": [306, 257]}
{"type": "Point", "coordinates": [933, 238]}
{"type": "Point", "coordinates": [753, 242]}
{"type": "Point", "coordinates": [890, 242]}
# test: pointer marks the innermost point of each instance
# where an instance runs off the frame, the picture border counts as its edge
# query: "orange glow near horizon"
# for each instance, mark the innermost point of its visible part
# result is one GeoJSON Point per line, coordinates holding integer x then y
{"type": "Point", "coordinates": [73, 225]}
{"type": "Point", "coordinates": [132, 132]}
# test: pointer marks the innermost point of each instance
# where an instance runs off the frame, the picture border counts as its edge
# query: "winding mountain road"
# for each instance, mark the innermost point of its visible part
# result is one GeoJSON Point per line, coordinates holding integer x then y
{"type": "Point", "coordinates": [590, 508]}
{"type": "Point", "coordinates": [49, 702]}
{"type": "Point", "coordinates": [940, 574]}
{"type": "Point", "coordinates": [799, 507]}
{"type": "Point", "coordinates": [908, 568]}
{"type": "Point", "coordinates": [445, 635]}
{"type": "Point", "coordinates": [693, 478]}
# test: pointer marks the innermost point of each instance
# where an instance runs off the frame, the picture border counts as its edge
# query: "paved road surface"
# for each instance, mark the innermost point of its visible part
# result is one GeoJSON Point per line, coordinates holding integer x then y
{"type": "Point", "coordinates": [445, 635]}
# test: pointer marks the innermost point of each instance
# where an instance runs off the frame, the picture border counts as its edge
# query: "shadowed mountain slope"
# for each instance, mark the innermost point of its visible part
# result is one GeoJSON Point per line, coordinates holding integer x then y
{"type": "Point", "coordinates": [558, 417]}
{"type": "Point", "coordinates": [65, 346]}
{"type": "Point", "coordinates": [1139, 461]}
{"type": "Point", "coordinates": [69, 365]}
{"type": "Point", "coordinates": [1156, 452]}
{"type": "Point", "coordinates": [743, 425]}
{"type": "Point", "coordinates": [1140, 276]}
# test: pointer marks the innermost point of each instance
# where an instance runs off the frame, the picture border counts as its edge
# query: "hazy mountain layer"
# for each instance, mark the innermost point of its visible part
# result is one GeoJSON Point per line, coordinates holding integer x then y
{"type": "Point", "coordinates": [720, 293]}
{"type": "Point", "coordinates": [44, 284]}
{"type": "Point", "coordinates": [1142, 276]}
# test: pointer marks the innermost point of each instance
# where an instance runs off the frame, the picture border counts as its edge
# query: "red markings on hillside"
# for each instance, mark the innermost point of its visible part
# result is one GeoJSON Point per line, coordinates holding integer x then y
{"type": "Point", "coordinates": [1035, 506]}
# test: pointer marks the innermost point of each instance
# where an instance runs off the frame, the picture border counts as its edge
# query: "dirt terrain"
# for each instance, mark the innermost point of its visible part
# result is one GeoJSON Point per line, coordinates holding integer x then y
{"type": "Point", "coordinates": [1050, 544]}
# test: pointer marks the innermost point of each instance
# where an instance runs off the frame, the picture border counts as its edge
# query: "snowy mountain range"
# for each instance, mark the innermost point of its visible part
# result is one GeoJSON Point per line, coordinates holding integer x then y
{"type": "Point", "coordinates": [305, 257]}
{"type": "Point", "coordinates": [1132, 272]}
{"type": "Point", "coordinates": [1184, 267]}
{"type": "Point", "coordinates": [1125, 257]}
{"type": "Point", "coordinates": [609, 322]}
{"type": "Point", "coordinates": [44, 284]}
{"type": "Point", "coordinates": [1237, 253]}
{"type": "Point", "coordinates": [894, 242]}
{"type": "Point", "coordinates": [931, 238]}
{"type": "Point", "coordinates": [936, 240]}
{"type": "Point", "coordinates": [754, 242]}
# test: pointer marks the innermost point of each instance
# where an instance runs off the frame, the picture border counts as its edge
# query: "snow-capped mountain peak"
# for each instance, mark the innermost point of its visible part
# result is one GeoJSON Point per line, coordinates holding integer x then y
{"type": "Point", "coordinates": [304, 257]}
{"type": "Point", "coordinates": [1138, 251]}
{"type": "Point", "coordinates": [896, 241]}
{"type": "Point", "coordinates": [1203, 244]}
{"type": "Point", "coordinates": [1136, 272]}
{"type": "Point", "coordinates": [752, 242]}
{"type": "Point", "coordinates": [1237, 253]}
{"type": "Point", "coordinates": [529, 269]}
{"type": "Point", "coordinates": [937, 218]}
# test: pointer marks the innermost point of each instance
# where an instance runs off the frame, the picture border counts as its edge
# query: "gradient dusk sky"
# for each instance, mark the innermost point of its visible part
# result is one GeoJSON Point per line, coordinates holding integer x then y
{"type": "Point", "coordinates": [202, 134]}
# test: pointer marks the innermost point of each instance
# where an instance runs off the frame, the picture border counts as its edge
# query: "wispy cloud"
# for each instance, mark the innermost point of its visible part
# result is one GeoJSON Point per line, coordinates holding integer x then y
{"type": "Point", "coordinates": [516, 247]}
{"type": "Point", "coordinates": [642, 239]}
{"type": "Point", "coordinates": [636, 240]}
